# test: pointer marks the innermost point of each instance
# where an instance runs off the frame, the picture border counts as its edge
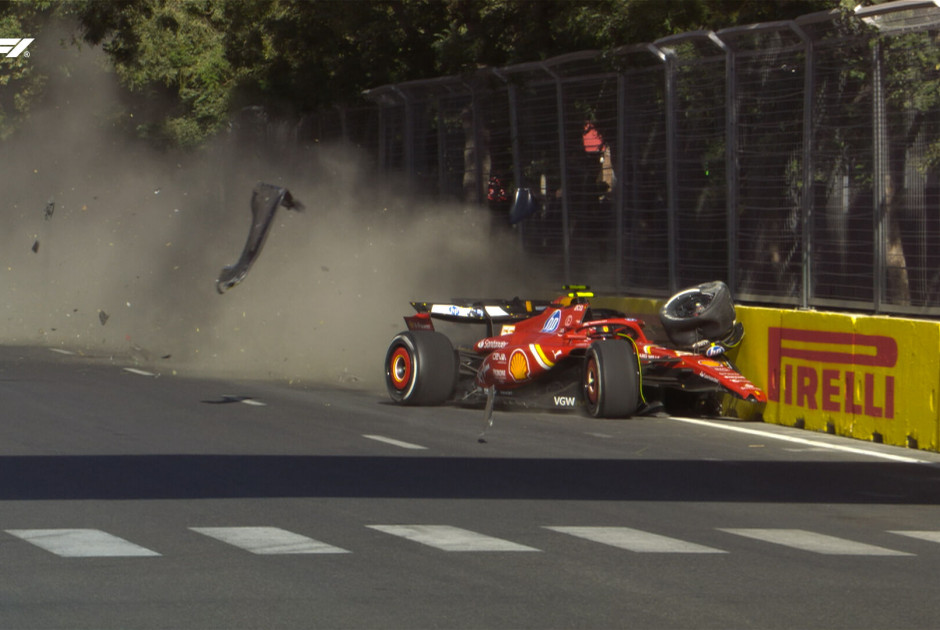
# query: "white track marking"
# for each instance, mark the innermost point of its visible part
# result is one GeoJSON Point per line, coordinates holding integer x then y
{"type": "Point", "coordinates": [393, 442]}
{"type": "Point", "coordinates": [245, 400]}
{"type": "Point", "coordinates": [139, 372]}
{"type": "Point", "coordinates": [449, 538]}
{"type": "Point", "coordinates": [634, 540]}
{"type": "Point", "coordinates": [61, 351]}
{"type": "Point", "coordinates": [803, 441]}
{"type": "Point", "coordinates": [81, 543]}
{"type": "Point", "coordinates": [813, 542]}
{"type": "Point", "coordinates": [267, 540]}
{"type": "Point", "coordinates": [929, 536]}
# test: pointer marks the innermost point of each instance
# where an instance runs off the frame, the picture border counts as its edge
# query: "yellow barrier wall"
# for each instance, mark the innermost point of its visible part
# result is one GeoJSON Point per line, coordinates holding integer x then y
{"type": "Point", "coordinates": [872, 378]}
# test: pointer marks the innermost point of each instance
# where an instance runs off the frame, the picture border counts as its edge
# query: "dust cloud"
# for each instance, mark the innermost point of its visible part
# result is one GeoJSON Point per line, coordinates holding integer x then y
{"type": "Point", "coordinates": [110, 249]}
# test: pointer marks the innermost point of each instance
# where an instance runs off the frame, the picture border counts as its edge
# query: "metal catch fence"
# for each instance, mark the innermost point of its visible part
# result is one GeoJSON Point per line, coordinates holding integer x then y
{"type": "Point", "coordinates": [799, 161]}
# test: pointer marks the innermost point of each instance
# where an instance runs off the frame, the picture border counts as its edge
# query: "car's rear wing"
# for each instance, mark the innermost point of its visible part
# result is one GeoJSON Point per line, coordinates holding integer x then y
{"type": "Point", "coordinates": [489, 312]}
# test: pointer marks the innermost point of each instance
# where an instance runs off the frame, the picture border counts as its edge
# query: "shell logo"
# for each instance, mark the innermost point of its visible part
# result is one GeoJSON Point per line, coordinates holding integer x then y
{"type": "Point", "coordinates": [519, 365]}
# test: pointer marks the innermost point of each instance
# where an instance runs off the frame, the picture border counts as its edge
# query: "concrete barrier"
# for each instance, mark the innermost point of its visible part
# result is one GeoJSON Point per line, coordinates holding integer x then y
{"type": "Point", "coordinates": [866, 377]}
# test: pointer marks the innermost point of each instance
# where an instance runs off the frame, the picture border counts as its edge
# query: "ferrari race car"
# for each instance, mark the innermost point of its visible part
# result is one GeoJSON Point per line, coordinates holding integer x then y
{"type": "Point", "coordinates": [565, 354]}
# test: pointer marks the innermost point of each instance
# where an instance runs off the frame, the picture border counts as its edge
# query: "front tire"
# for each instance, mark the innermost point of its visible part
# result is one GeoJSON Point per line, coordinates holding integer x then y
{"type": "Point", "coordinates": [611, 379]}
{"type": "Point", "coordinates": [420, 368]}
{"type": "Point", "coordinates": [701, 313]}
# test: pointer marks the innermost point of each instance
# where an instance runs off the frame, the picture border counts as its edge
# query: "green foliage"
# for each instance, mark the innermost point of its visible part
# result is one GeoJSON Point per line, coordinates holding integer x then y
{"type": "Point", "coordinates": [913, 88]}
{"type": "Point", "coordinates": [21, 82]}
{"type": "Point", "coordinates": [308, 55]}
{"type": "Point", "coordinates": [171, 56]}
{"type": "Point", "coordinates": [188, 64]}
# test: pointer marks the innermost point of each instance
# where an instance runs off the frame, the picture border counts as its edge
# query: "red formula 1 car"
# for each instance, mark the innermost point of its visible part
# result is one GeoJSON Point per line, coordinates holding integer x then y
{"type": "Point", "coordinates": [566, 354]}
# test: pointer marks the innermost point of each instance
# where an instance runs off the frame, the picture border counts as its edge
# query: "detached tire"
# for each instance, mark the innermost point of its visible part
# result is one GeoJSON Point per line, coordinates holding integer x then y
{"type": "Point", "coordinates": [611, 379]}
{"type": "Point", "coordinates": [420, 368]}
{"type": "Point", "coordinates": [703, 312]}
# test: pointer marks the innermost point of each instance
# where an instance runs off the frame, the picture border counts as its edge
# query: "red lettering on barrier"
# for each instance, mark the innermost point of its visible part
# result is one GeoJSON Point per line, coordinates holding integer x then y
{"type": "Point", "coordinates": [830, 388]}
{"type": "Point", "coordinates": [850, 406]}
{"type": "Point", "coordinates": [889, 396]}
{"type": "Point", "coordinates": [815, 380]}
{"type": "Point", "coordinates": [870, 408]}
{"type": "Point", "coordinates": [885, 348]}
{"type": "Point", "coordinates": [806, 383]}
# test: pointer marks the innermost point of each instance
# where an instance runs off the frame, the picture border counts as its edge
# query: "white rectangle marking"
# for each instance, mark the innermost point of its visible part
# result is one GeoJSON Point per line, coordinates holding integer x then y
{"type": "Point", "coordinates": [815, 543]}
{"type": "Point", "coordinates": [81, 543]}
{"type": "Point", "coordinates": [929, 536]}
{"type": "Point", "coordinates": [449, 538]}
{"type": "Point", "coordinates": [267, 540]}
{"type": "Point", "coordinates": [634, 540]}
{"type": "Point", "coordinates": [393, 442]}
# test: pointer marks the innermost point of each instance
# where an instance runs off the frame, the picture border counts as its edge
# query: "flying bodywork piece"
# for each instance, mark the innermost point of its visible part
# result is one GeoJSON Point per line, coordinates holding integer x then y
{"type": "Point", "coordinates": [265, 200]}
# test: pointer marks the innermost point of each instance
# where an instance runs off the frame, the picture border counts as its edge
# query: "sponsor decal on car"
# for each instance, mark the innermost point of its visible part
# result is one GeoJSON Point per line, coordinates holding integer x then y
{"type": "Point", "coordinates": [519, 365]}
{"type": "Point", "coordinates": [552, 323]}
{"type": "Point", "coordinates": [454, 310]}
{"type": "Point", "coordinates": [541, 357]}
{"type": "Point", "coordinates": [494, 311]}
{"type": "Point", "coordinates": [832, 371]}
{"type": "Point", "coordinates": [416, 322]}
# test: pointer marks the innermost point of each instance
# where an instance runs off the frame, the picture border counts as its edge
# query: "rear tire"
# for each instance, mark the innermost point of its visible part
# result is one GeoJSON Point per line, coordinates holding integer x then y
{"type": "Point", "coordinates": [611, 379]}
{"type": "Point", "coordinates": [420, 368]}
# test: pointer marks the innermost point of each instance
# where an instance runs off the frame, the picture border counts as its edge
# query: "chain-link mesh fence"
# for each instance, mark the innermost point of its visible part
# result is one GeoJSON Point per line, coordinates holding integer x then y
{"type": "Point", "coordinates": [798, 161]}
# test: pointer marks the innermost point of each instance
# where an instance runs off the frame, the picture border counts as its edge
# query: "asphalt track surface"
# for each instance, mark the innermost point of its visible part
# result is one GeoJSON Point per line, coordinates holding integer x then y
{"type": "Point", "coordinates": [135, 499]}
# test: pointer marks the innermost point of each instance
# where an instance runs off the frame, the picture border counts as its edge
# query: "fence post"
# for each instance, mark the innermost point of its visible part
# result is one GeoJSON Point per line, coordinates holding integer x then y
{"type": "Point", "coordinates": [518, 175]}
{"type": "Point", "coordinates": [807, 199]}
{"type": "Point", "coordinates": [441, 149]}
{"type": "Point", "coordinates": [731, 158]}
{"type": "Point", "coordinates": [563, 165]}
{"type": "Point", "coordinates": [478, 146]}
{"type": "Point", "coordinates": [408, 134]}
{"type": "Point", "coordinates": [621, 181]}
{"type": "Point", "coordinates": [667, 56]}
{"type": "Point", "coordinates": [879, 189]}
{"type": "Point", "coordinates": [512, 97]}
